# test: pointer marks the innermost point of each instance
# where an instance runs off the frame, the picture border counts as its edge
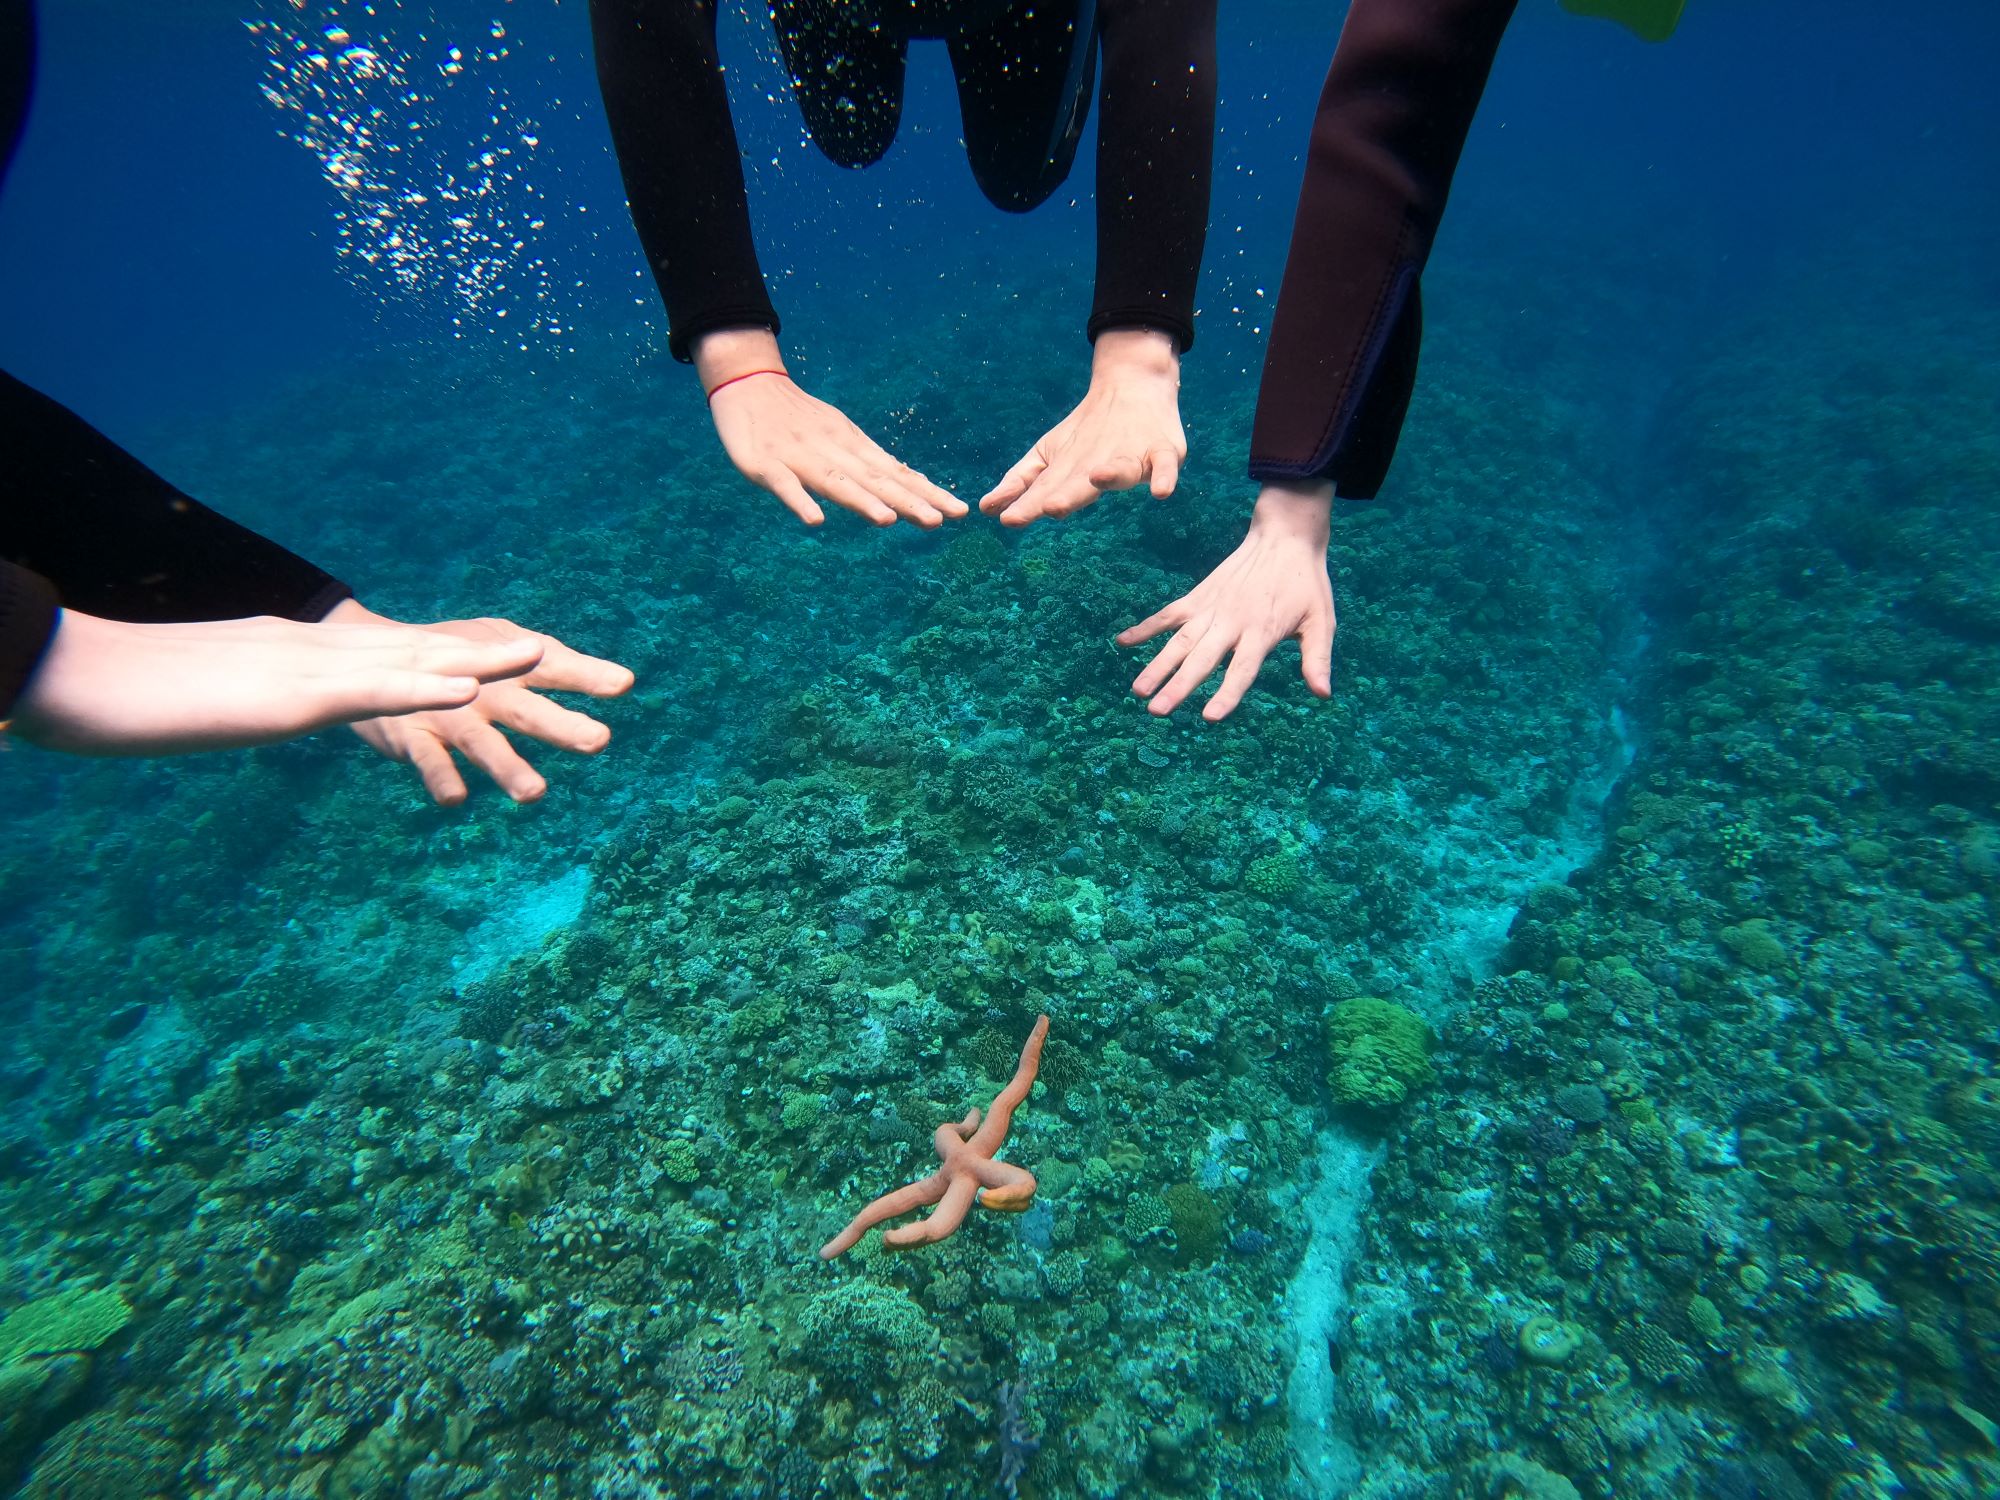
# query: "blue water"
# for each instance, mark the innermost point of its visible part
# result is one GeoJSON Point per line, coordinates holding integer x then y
{"type": "Point", "coordinates": [372, 1148]}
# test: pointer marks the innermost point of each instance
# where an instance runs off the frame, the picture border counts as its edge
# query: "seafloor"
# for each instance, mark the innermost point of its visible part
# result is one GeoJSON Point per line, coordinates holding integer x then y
{"type": "Point", "coordinates": [483, 1153]}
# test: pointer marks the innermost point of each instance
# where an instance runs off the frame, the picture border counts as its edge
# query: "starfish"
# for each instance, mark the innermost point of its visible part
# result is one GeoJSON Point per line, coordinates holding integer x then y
{"type": "Point", "coordinates": [969, 1171]}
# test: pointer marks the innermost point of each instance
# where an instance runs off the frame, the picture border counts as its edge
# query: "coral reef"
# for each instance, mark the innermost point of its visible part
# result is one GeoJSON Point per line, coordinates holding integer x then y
{"type": "Point", "coordinates": [1627, 914]}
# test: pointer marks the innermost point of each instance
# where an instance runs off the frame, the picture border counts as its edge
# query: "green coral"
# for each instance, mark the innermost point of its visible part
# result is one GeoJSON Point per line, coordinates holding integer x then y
{"type": "Point", "coordinates": [65, 1322]}
{"type": "Point", "coordinates": [1147, 1214]}
{"type": "Point", "coordinates": [1705, 1318]}
{"type": "Point", "coordinates": [1274, 875]}
{"type": "Point", "coordinates": [1756, 946]}
{"type": "Point", "coordinates": [679, 1162]}
{"type": "Point", "coordinates": [732, 810]}
{"type": "Point", "coordinates": [758, 1017]}
{"type": "Point", "coordinates": [801, 1111]}
{"type": "Point", "coordinates": [1197, 1221]}
{"type": "Point", "coordinates": [1380, 1052]}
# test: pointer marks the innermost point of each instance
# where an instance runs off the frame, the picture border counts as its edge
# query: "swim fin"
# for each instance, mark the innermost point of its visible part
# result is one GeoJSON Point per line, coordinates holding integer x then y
{"type": "Point", "coordinates": [1652, 20]}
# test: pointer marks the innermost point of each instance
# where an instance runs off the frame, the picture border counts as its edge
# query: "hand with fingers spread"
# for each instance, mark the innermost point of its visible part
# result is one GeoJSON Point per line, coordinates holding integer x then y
{"type": "Point", "coordinates": [1126, 431]}
{"type": "Point", "coordinates": [797, 446]}
{"type": "Point", "coordinates": [1273, 587]}
{"type": "Point", "coordinates": [108, 687]}
{"type": "Point", "coordinates": [426, 739]}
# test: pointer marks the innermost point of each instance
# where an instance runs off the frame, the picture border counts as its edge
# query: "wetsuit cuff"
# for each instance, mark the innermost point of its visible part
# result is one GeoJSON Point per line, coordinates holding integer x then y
{"type": "Point", "coordinates": [681, 338]}
{"type": "Point", "coordinates": [322, 601]}
{"type": "Point", "coordinates": [29, 611]}
{"type": "Point", "coordinates": [1180, 330]}
{"type": "Point", "coordinates": [1270, 471]}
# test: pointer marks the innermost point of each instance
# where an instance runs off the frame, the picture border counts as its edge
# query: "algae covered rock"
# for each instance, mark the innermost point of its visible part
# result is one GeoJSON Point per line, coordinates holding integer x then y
{"type": "Point", "coordinates": [1380, 1052]}
{"type": "Point", "coordinates": [66, 1322]}
{"type": "Point", "coordinates": [866, 1334]}
{"type": "Point", "coordinates": [1547, 1341]}
{"type": "Point", "coordinates": [44, 1358]}
{"type": "Point", "coordinates": [1509, 1476]}
{"type": "Point", "coordinates": [107, 1456]}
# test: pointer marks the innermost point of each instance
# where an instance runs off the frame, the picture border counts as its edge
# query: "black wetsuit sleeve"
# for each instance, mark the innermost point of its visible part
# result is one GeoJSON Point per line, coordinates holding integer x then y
{"type": "Point", "coordinates": [27, 622]}
{"type": "Point", "coordinates": [1155, 154]}
{"type": "Point", "coordinates": [667, 103]}
{"type": "Point", "coordinates": [83, 523]}
{"type": "Point", "coordinates": [1393, 117]}
{"type": "Point", "coordinates": [27, 602]}
{"type": "Point", "coordinates": [17, 75]}
{"type": "Point", "coordinates": [117, 540]}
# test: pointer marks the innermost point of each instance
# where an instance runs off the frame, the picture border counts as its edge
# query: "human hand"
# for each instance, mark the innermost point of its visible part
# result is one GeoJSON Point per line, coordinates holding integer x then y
{"type": "Point", "coordinates": [796, 446]}
{"type": "Point", "coordinates": [1125, 431]}
{"type": "Point", "coordinates": [1273, 587]}
{"type": "Point", "coordinates": [426, 739]}
{"type": "Point", "coordinates": [106, 687]}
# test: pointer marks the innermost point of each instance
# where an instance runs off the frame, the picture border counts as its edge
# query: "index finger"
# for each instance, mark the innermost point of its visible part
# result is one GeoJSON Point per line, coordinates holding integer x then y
{"type": "Point", "coordinates": [1053, 493]}
{"type": "Point", "coordinates": [1161, 619]}
{"type": "Point", "coordinates": [566, 670]}
{"type": "Point", "coordinates": [914, 480]}
{"type": "Point", "coordinates": [936, 493]}
{"type": "Point", "coordinates": [440, 652]}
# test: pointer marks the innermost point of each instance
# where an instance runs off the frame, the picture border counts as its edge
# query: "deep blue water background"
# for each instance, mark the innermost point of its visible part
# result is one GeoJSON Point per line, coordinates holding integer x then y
{"type": "Point", "coordinates": [163, 249]}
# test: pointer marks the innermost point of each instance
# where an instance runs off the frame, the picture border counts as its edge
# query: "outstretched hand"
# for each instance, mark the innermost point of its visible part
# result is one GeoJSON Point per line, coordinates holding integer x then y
{"type": "Point", "coordinates": [1273, 587]}
{"type": "Point", "coordinates": [425, 739]}
{"type": "Point", "coordinates": [797, 446]}
{"type": "Point", "coordinates": [1126, 431]}
{"type": "Point", "coordinates": [108, 687]}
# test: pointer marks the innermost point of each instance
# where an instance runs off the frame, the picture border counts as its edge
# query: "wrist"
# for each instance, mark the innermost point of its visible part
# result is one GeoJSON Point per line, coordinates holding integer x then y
{"type": "Point", "coordinates": [1302, 510]}
{"type": "Point", "coordinates": [1135, 351]}
{"type": "Point", "coordinates": [351, 611]}
{"type": "Point", "coordinates": [75, 647]}
{"type": "Point", "coordinates": [728, 353]}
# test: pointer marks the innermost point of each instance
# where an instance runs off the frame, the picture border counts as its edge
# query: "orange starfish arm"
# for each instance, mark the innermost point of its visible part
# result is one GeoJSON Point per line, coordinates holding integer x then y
{"type": "Point", "coordinates": [990, 1135]}
{"type": "Point", "coordinates": [1007, 1187]}
{"type": "Point", "coordinates": [943, 1221]}
{"type": "Point", "coordinates": [968, 1172]}
{"type": "Point", "coordinates": [888, 1206]}
{"type": "Point", "coordinates": [950, 1138]}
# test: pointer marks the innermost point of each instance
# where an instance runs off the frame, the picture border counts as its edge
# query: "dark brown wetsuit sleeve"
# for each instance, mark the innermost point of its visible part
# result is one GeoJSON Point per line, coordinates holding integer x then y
{"type": "Point", "coordinates": [667, 103]}
{"type": "Point", "coordinates": [1155, 155]}
{"type": "Point", "coordinates": [1393, 117]}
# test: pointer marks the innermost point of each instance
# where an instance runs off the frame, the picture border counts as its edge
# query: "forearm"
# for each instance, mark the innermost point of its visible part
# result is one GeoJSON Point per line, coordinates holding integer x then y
{"type": "Point", "coordinates": [1155, 153]}
{"type": "Point", "coordinates": [667, 103]}
{"type": "Point", "coordinates": [1398, 103]}
{"type": "Point", "coordinates": [117, 541]}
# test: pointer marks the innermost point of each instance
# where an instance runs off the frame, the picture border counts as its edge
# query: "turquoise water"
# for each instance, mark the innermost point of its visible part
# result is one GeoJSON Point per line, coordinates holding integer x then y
{"type": "Point", "coordinates": [356, 1147]}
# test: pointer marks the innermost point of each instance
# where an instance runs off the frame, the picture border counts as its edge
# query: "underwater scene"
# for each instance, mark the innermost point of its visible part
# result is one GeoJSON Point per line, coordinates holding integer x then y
{"type": "Point", "coordinates": [1563, 1062]}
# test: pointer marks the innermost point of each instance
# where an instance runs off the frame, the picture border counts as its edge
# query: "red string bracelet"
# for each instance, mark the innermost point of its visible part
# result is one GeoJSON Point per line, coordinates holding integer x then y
{"type": "Point", "coordinates": [744, 376]}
